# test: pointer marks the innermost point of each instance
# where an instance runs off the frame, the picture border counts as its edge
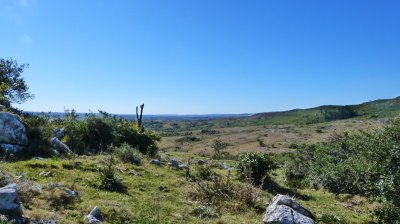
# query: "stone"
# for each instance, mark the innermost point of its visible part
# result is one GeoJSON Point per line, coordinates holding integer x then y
{"type": "Point", "coordinates": [174, 163]}
{"type": "Point", "coordinates": [45, 174]}
{"type": "Point", "coordinates": [156, 162]}
{"type": "Point", "coordinates": [59, 146]}
{"type": "Point", "coordinates": [9, 201]}
{"type": "Point", "coordinates": [163, 188]}
{"type": "Point", "coordinates": [183, 166]}
{"type": "Point", "coordinates": [71, 193]}
{"type": "Point", "coordinates": [12, 131]}
{"type": "Point", "coordinates": [55, 185]}
{"type": "Point", "coordinates": [43, 222]}
{"type": "Point", "coordinates": [201, 162]}
{"type": "Point", "coordinates": [286, 210]}
{"type": "Point", "coordinates": [226, 166]}
{"type": "Point", "coordinates": [94, 216]}
{"type": "Point", "coordinates": [10, 148]}
{"type": "Point", "coordinates": [2, 107]}
{"type": "Point", "coordinates": [59, 132]}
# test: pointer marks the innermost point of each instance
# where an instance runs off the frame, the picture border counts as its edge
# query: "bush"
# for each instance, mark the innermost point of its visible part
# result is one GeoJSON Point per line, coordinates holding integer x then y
{"type": "Point", "coordinates": [389, 213]}
{"type": "Point", "coordinates": [108, 178]}
{"type": "Point", "coordinates": [256, 165]}
{"type": "Point", "coordinates": [39, 132]}
{"type": "Point", "coordinates": [128, 154]}
{"type": "Point", "coordinates": [344, 165]}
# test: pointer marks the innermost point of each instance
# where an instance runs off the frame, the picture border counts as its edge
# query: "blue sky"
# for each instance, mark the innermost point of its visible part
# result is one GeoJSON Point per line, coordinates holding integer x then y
{"type": "Point", "coordinates": [204, 56]}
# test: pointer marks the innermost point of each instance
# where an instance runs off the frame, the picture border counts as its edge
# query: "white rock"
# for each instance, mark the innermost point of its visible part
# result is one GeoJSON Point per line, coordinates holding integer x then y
{"type": "Point", "coordinates": [286, 210]}
{"type": "Point", "coordinates": [94, 216]}
{"type": "Point", "coordinates": [12, 131]}
{"type": "Point", "coordinates": [59, 146]}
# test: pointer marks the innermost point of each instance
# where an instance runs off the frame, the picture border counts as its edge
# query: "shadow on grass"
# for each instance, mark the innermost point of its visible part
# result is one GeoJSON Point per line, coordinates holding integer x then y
{"type": "Point", "coordinates": [273, 187]}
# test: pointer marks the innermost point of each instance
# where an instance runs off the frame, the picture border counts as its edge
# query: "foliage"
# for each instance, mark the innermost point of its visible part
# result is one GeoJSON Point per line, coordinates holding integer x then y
{"type": "Point", "coordinates": [204, 172]}
{"type": "Point", "coordinates": [205, 212]}
{"type": "Point", "coordinates": [39, 132]}
{"type": "Point", "coordinates": [257, 163]}
{"type": "Point", "coordinates": [389, 213]}
{"type": "Point", "coordinates": [219, 146]}
{"type": "Point", "coordinates": [13, 88]}
{"type": "Point", "coordinates": [128, 154]}
{"type": "Point", "coordinates": [344, 165]}
{"type": "Point", "coordinates": [108, 178]}
{"type": "Point", "coordinates": [95, 133]}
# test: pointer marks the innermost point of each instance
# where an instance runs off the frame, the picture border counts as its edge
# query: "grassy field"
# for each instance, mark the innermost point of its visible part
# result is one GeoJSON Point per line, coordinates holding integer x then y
{"type": "Point", "coordinates": [269, 138]}
{"type": "Point", "coordinates": [143, 202]}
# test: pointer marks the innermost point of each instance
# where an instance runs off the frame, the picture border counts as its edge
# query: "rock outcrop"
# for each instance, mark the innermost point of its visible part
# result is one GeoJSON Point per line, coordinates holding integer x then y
{"type": "Point", "coordinates": [12, 133]}
{"type": "Point", "coordinates": [94, 216]}
{"type": "Point", "coordinates": [286, 210]}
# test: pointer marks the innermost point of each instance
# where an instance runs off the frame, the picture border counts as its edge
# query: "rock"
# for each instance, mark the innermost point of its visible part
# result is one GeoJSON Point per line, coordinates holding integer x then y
{"type": "Point", "coordinates": [12, 131]}
{"type": "Point", "coordinates": [71, 193]}
{"type": "Point", "coordinates": [183, 166]}
{"type": "Point", "coordinates": [94, 216]}
{"type": "Point", "coordinates": [59, 146]}
{"type": "Point", "coordinates": [55, 185]}
{"type": "Point", "coordinates": [9, 201]}
{"type": "Point", "coordinates": [59, 132]}
{"type": "Point", "coordinates": [45, 174]}
{"type": "Point", "coordinates": [10, 148]}
{"type": "Point", "coordinates": [163, 188]}
{"type": "Point", "coordinates": [174, 163]}
{"type": "Point", "coordinates": [2, 107]}
{"type": "Point", "coordinates": [226, 166]}
{"type": "Point", "coordinates": [201, 162]}
{"type": "Point", "coordinates": [286, 210]}
{"type": "Point", "coordinates": [156, 162]}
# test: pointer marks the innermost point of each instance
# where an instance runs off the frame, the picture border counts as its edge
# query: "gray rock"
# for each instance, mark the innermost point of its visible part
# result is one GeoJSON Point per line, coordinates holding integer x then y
{"type": "Point", "coordinates": [60, 147]}
{"type": "Point", "coordinates": [71, 193]}
{"type": "Point", "coordinates": [183, 166]}
{"type": "Point", "coordinates": [226, 166]}
{"type": "Point", "coordinates": [10, 148]}
{"type": "Point", "coordinates": [201, 162]}
{"type": "Point", "coordinates": [55, 185]}
{"type": "Point", "coordinates": [43, 222]}
{"type": "Point", "coordinates": [156, 162]}
{"type": "Point", "coordinates": [2, 107]}
{"type": "Point", "coordinates": [174, 163]}
{"type": "Point", "coordinates": [12, 131]}
{"type": "Point", "coordinates": [94, 216]}
{"type": "Point", "coordinates": [45, 174]}
{"type": "Point", "coordinates": [286, 210]}
{"type": "Point", "coordinates": [59, 132]}
{"type": "Point", "coordinates": [9, 201]}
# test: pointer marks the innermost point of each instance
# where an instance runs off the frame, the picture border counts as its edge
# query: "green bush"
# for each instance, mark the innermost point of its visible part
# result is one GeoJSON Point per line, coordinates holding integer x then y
{"type": "Point", "coordinates": [255, 165]}
{"type": "Point", "coordinates": [365, 163]}
{"type": "Point", "coordinates": [39, 130]}
{"type": "Point", "coordinates": [389, 213]}
{"type": "Point", "coordinates": [128, 154]}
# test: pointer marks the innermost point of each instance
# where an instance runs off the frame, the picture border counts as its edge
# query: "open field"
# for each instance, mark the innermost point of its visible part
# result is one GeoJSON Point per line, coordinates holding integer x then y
{"type": "Point", "coordinates": [269, 138]}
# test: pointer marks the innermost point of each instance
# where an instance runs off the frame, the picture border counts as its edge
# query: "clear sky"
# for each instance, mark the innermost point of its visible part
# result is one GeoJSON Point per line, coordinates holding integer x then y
{"type": "Point", "coordinates": [202, 56]}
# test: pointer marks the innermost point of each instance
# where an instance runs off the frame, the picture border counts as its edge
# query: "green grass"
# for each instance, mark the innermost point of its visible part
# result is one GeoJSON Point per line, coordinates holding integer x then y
{"type": "Point", "coordinates": [143, 202]}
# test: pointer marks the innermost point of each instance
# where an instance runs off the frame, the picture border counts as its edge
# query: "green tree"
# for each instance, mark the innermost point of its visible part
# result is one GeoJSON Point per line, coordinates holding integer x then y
{"type": "Point", "coordinates": [219, 147]}
{"type": "Point", "coordinates": [13, 88]}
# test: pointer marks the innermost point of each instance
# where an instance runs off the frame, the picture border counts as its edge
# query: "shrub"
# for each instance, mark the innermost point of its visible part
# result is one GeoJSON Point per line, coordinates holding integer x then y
{"type": "Point", "coordinates": [39, 132]}
{"type": "Point", "coordinates": [128, 154]}
{"type": "Point", "coordinates": [219, 146]}
{"type": "Point", "coordinates": [257, 163]}
{"type": "Point", "coordinates": [108, 179]}
{"type": "Point", "coordinates": [204, 172]}
{"type": "Point", "coordinates": [389, 213]}
{"type": "Point", "coordinates": [205, 212]}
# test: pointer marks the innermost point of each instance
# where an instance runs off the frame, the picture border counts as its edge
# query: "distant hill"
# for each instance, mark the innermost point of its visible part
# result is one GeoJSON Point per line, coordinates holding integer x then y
{"type": "Point", "coordinates": [371, 109]}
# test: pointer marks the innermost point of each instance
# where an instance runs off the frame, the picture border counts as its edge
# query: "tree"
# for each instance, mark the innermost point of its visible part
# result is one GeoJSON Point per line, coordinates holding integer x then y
{"type": "Point", "coordinates": [13, 88]}
{"type": "Point", "coordinates": [219, 147]}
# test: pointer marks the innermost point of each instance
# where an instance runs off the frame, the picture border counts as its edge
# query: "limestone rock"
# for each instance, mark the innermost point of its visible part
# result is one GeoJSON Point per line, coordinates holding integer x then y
{"type": "Point", "coordinates": [286, 210]}
{"type": "Point", "coordinates": [9, 201]}
{"type": "Point", "coordinates": [59, 146]}
{"type": "Point", "coordinates": [94, 216]}
{"type": "Point", "coordinates": [155, 162]}
{"type": "Point", "coordinates": [12, 132]}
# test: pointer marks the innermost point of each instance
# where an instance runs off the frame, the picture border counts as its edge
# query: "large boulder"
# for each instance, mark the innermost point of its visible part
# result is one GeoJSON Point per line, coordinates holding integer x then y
{"type": "Point", "coordinates": [285, 210]}
{"type": "Point", "coordinates": [9, 201]}
{"type": "Point", "coordinates": [12, 132]}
